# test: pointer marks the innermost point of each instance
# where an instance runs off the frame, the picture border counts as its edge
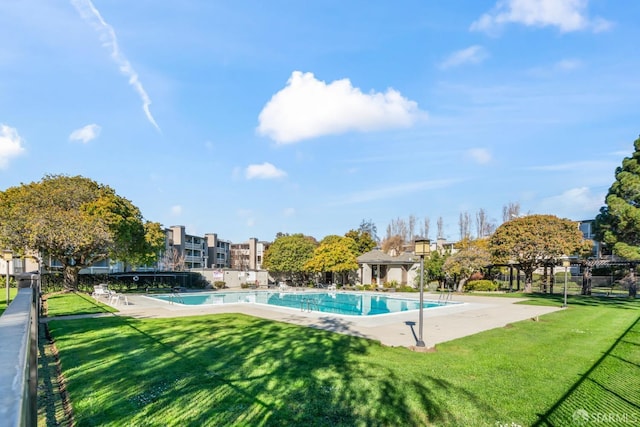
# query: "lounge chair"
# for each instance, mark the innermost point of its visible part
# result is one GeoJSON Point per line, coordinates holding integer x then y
{"type": "Point", "coordinates": [101, 290]}
{"type": "Point", "coordinates": [115, 298]}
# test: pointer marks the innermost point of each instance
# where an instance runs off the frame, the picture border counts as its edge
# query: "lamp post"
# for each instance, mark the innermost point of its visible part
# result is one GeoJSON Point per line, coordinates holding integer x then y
{"type": "Point", "coordinates": [421, 248]}
{"type": "Point", "coordinates": [565, 263]}
{"type": "Point", "coordinates": [8, 256]}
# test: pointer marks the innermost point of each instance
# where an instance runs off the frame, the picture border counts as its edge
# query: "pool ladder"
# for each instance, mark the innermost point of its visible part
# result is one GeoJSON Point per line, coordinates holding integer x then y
{"type": "Point", "coordinates": [176, 297]}
{"type": "Point", "coordinates": [446, 296]}
{"type": "Point", "coordinates": [310, 304]}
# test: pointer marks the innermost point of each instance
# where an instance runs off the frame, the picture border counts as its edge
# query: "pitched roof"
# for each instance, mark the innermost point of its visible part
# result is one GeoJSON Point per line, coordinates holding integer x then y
{"type": "Point", "coordinates": [376, 256]}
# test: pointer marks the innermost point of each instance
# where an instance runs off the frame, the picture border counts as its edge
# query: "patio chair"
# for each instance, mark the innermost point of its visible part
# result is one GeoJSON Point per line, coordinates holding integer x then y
{"type": "Point", "coordinates": [100, 290]}
{"type": "Point", "coordinates": [283, 287]}
{"type": "Point", "coordinates": [115, 298]}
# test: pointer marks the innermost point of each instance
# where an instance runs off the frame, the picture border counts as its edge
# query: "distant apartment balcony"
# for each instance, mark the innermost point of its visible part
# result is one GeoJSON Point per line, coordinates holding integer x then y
{"type": "Point", "coordinates": [194, 246]}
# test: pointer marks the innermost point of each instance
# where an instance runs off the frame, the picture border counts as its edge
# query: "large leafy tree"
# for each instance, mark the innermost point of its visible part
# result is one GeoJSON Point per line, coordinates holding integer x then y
{"type": "Point", "coordinates": [465, 262]}
{"type": "Point", "coordinates": [76, 221]}
{"type": "Point", "coordinates": [618, 223]}
{"type": "Point", "coordinates": [287, 256]}
{"type": "Point", "coordinates": [335, 254]}
{"type": "Point", "coordinates": [536, 240]}
{"type": "Point", "coordinates": [363, 240]}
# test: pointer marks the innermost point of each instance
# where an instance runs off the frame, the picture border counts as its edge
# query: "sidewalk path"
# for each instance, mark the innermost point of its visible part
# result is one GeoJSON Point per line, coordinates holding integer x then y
{"type": "Point", "coordinates": [477, 314]}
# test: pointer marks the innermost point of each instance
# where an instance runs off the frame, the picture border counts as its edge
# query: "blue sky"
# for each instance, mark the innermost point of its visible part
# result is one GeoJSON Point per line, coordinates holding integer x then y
{"type": "Point", "coordinates": [248, 118]}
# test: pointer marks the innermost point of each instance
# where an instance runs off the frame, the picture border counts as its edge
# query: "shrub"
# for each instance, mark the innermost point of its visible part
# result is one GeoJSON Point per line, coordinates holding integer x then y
{"type": "Point", "coordinates": [481, 285]}
{"type": "Point", "coordinates": [476, 276]}
{"type": "Point", "coordinates": [219, 284]}
{"type": "Point", "coordinates": [391, 284]}
{"type": "Point", "coordinates": [406, 288]}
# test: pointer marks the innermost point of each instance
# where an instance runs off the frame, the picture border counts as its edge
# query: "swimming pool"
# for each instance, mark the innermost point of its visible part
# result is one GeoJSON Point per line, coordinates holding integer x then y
{"type": "Point", "coordinates": [352, 304]}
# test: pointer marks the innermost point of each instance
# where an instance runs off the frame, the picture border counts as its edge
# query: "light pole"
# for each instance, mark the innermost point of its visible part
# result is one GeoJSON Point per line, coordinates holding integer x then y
{"type": "Point", "coordinates": [421, 248]}
{"type": "Point", "coordinates": [565, 263]}
{"type": "Point", "coordinates": [8, 256]}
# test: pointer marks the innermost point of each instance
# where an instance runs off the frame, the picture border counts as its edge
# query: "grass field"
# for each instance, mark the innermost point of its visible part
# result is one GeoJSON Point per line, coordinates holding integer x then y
{"type": "Point", "coordinates": [74, 303]}
{"type": "Point", "coordinates": [3, 297]}
{"type": "Point", "coordinates": [238, 370]}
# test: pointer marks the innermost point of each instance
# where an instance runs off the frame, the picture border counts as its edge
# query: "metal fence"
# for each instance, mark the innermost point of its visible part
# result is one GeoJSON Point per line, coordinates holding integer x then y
{"type": "Point", "coordinates": [600, 285]}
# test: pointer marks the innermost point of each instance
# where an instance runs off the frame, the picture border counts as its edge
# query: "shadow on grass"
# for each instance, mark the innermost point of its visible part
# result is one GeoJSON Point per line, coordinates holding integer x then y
{"type": "Point", "coordinates": [75, 303]}
{"type": "Point", "coordinates": [51, 405]}
{"type": "Point", "coordinates": [608, 393]}
{"type": "Point", "coordinates": [240, 370]}
{"type": "Point", "coordinates": [582, 301]}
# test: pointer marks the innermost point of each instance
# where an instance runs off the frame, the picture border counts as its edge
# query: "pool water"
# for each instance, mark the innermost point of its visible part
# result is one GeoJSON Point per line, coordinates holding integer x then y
{"type": "Point", "coordinates": [353, 304]}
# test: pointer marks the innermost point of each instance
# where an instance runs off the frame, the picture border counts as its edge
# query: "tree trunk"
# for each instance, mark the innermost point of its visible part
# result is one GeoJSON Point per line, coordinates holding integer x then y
{"type": "Point", "coordinates": [528, 281]}
{"type": "Point", "coordinates": [70, 274]}
{"type": "Point", "coordinates": [461, 284]}
{"type": "Point", "coordinates": [586, 281]}
{"type": "Point", "coordinates": [633, 287]}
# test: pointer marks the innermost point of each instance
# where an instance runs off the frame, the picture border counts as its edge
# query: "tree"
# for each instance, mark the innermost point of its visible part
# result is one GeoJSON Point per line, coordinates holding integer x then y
{"type": "Point", "coordinates": [484, 227]}
{"type": "Point", "coordinates": [510, 211]}
{"type": "Point", "coordinates": [465, 262]}
{"type": "Point", "coordinates": [440, 225]}
{"type": "Point", "coordinates": [618, 223]}
{"type": "Point", "coordinates": [335, 254]}
{"type": "Point", "coordinates": [74, 220]}
{"type": "Point", "coordinates": [288, 254]}
{"type": "Point", "coordinates": [433, 268]}
{"type": "Point", "coordinates": [536, 240]}
{"type": "Point", "coordinates": [393, 245]}
{"type": "Point", "coordinates": [368, 226]}
{"type": "Point", "coordinates": [154, 244]}
{"type": "Point", "coordinates": [363, 240]}
{"type": "Point", "coordinates": [398, 227]}
{"type": "Point", "coordinates": [424, 228]}
{"type": "Point", "coordinates": [172, 260]}
{"type": "Point", "coordinates": [464, 224]}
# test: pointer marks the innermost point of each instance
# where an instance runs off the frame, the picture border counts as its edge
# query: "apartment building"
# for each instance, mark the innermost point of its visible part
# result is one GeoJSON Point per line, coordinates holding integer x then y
{"type": "Point", "coordinates": [218, 252]}
{"type": "Point", "coordinates": [248, 255]}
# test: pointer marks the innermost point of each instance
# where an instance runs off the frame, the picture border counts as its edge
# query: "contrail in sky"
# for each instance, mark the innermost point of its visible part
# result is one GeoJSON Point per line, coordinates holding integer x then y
{"type": "Point", "coordinates": [108, 36]}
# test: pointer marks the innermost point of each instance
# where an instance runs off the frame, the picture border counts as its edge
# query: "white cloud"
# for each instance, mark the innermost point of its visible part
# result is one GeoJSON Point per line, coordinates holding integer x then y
{"type": "Point", "coordinates": [289, 212]}
{"type": "Point", "coordinates": [479, 155]}
{"type": "Point", "coordinates": [85, 134]}
{"type": "Point", "coordinates": [566, 15]}
{"type": "Point", "coordinates": [308, 108]}
{"type": "Point", "coordinates": [89, 13]}
{"type": "Point", "coordinates": [264, 171]}
{"type": "Point", "coordinates": [471, 55]}
{"type": "Point", "coordinates": [176, 210]}
{"type": "Point", "coordinates": [11, 145]}
{"type": "Point", "coordinates": [575, 203]}
{"type": "Point", "coordinates": [589, 165]}
{"type": "Point", "coordinates": [380, 193]}
{"type": "Point", "coordinates": [568, 64]}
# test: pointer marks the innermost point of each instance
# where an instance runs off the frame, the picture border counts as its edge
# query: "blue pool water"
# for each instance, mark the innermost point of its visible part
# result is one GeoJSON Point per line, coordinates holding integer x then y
{"type": "Point", "coordinates": [354, 304]}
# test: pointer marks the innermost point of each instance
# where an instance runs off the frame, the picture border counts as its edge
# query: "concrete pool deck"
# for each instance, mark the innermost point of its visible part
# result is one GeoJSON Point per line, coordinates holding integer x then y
{"type": "Point", "coordinates": [441, 324]}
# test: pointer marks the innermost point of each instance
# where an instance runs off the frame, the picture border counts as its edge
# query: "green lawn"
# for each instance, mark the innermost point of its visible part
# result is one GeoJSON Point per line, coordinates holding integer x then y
{"type": "Point", "coordinates": [3, 297]}
{"type": "Point", "coordinates": [66, 304]}
{"type": "Point", "coordinates": [238, 370]}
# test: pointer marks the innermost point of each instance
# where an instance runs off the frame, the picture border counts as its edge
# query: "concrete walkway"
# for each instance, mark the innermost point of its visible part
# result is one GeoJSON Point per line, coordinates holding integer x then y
{"type": "Point", "coordinates": [441, 324]}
